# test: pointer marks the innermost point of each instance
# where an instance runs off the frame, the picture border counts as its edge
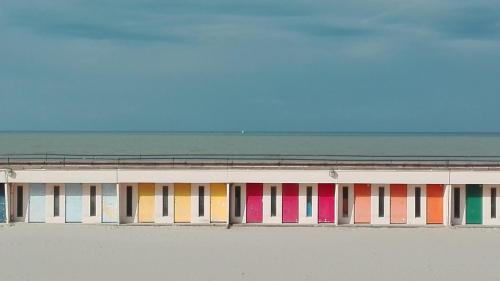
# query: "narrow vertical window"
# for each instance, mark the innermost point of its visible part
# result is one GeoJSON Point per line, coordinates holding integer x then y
{"type": "Point", "coordinates": [19, 201]}
{"type": "Point", "coordinates": [92, 200]}
{"type": "Point", "coordinates": [129, 201]}
{"type": "Point", "coordinates": [309, 195]}
{"type": "Point", "coordinates": [381, 192]}
{"type": "Point", "coordinates": [418, 194]}
{"type": "Point", "coordinates": [57, 193]}
{"type": "Point", "coordinates": [237, 201]}
{"type": "Point", "coordinates": [345, 201]}
{"type": "Point", "coordinates": [456, 202]}
{"type": "Point", "coordinates": [494, 203]}
{"type": "Point", "coordinates": [165, 201]}
{"type": "Point", "coordinates": [201, 201]}
{"type": "Point", "coordinates": [273, 201]}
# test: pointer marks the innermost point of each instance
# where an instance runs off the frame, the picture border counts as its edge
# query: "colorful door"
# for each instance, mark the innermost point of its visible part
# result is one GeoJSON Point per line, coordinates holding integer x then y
{"type": "Point", "coordinates": [398, 203]}
{"type": "Point", "coordinates": [182, 202]}
{"type": "Point", "coordinates": [473, 204]}
{"type": "Point", "coordinates": [218, 202]}
{"type": "Point", "coordinates": [146, 202]}
{"type": "Point", "coordinates": [109, 206]}
{"type": "Point", "coordinates": [3, 214]}
{"type": "Point", "coordinates": [362, 203]}
{"type": "Point", "coordinates": [326, 203]}
{"type": "Point", "coordinates": [37, 202]}
{"type": "Point", "coordinates": [73, 196]}
{"type": "Point", "coordinates": [254, 202]}
{"type": "Point", "coordinates": [290, 203]}
{"type": "Point", "coordinates": [435, 193]}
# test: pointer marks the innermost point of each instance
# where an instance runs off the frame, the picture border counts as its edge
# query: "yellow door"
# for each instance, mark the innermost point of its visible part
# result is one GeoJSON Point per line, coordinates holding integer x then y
{"type": "Point", "coordinates": [182, 202]}
{"type": "Point", "coordinates": [146, 202]}
{"type": "Point", "coordinates": [218, 204]}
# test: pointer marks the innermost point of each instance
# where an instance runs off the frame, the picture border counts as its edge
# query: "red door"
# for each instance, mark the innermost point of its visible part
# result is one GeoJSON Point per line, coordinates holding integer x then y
{"type": "Point", "coordinates": [254, 202]}
{"type": "Point", "coordinates": [398, 203]}
{"type": "Point", "coordinates": [290, 194]}
{"type": "Point", "coordinates": [326, 202]}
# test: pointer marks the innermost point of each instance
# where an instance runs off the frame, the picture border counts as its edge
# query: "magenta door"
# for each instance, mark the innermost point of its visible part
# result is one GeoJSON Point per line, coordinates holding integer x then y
{"type": "Point", "coordinates": [326, 202]}
{"type": "Point", "coordinates": [254, 202]}
{"type": "Point", "coordinates": [290, 195]}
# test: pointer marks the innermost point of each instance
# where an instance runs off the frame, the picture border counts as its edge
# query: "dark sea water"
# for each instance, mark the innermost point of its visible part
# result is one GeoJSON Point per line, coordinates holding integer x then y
{"type": "Point", "coordinates": [133, 143]}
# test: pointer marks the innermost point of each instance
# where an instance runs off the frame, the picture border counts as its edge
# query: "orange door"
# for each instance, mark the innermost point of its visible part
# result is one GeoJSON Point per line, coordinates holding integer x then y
{"type": "Point", "coordinates": [435, 203]}
{"type": "Point", "coordinates": [362, 203]}
{"type": "Point", "coordinates": [398, 203]}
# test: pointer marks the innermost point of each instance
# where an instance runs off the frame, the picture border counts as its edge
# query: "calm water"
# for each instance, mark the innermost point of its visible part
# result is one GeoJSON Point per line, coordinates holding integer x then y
{"type": "Point", "coordinates": [92, 143]}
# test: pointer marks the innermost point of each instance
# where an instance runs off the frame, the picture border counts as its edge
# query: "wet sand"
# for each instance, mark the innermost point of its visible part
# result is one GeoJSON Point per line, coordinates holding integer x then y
{"type": "Point", "coordinates": [94, 252]}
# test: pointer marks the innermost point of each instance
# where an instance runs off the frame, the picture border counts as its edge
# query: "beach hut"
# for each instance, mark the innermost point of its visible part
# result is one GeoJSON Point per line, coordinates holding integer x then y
{"type": "Point", "coordinates": [435, 204]}
{"type": "Point", "coordinates": [3, 210]}
{"type": "Point", "coordinates": [254, 211]}
{"type": "Point", "coordinates": [326, 202]}
{"type": "Point", "coordinates": [237, 203]}
{"type": "Point", "coordinates": [308, 203]}
{"type": "Point", "coordinates": [73, 197]}
{"type": "Point", "coordinates": [146, 194]}
{"type": "Point", "coordinates": [200, 203]}
{"type": "Point", "coordinates": [380, 204]}
{"type": "Point", "coordinates": [362, 203]}
{"type": "Point", "coordinates": [290, 196]}
{"type": "Point", "coordinates": [417, 204]}
{"type": "Point", "coordinates": [398, 203]}
{"type": "Point", "coordinates": [273, 205]}
{"type": "Point", "coordinates": [164, 203]}
{"type": "Point", "coordinates": [346, 204]}
{"type": "Point", "coordinates": [182, 202]}
{"type": "Point", "coordinates": [474, 204]}
{"type": "Point", "coordinates": [36, 202]}
{"type": "Point", "coordinates": [218, 203]}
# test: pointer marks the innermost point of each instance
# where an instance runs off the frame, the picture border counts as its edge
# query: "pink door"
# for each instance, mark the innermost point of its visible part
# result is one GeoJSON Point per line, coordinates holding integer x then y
{"type": "Point", "coordinates": [290, 196]}
{"type": "Point", "coordinates": [254, 202]}
{"type": "Point", "coordinates": [326, 202]}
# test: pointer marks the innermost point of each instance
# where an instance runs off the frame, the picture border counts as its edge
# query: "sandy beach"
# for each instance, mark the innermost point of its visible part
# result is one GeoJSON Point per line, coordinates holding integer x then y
{"type": "Point", "coordinates": [94, 252]}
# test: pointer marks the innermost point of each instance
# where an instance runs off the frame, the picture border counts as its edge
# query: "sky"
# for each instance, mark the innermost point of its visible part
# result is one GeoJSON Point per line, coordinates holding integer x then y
{"type": "Point", "coordinates": [231, 65]}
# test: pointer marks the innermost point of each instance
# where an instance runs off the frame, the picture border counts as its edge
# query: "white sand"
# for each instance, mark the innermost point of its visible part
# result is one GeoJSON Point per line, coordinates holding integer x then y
{"type": "Point", "coordinates": [143, 253]}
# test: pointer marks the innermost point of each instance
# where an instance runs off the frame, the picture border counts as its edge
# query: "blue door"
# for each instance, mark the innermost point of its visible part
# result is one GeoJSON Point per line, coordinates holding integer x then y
{"type": "Point", "coordinates": [37, 202]}
{"type": "Point", "coordinates": [2, 203]}
{"type": "Point", "coordinates": [73, 196]}
{"type": "Point", "coordinates": [109, 206]}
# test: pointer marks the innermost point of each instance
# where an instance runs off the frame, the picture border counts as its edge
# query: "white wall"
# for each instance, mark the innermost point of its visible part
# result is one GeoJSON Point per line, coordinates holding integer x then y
{"type": "Point", "coordinates": [24, 217]}
{"type": "Point", "coordinates": [350, 214]}
{"type": "Point", "coordinates": [266, 204]}
{"type": "Point", "coordinates": [242, 217]}
{"type": "Point", "coordinates": [159, 218]}
{"type": "Point", "coordinates": [303, 204]}
{"type": "Point", "coordinates": [487, 219]}
{"type": "Point", "coordinates": [410, 203]}
{"type": "Point", "coordinates": [386, 219]}
{"type": "Point", "coordinates": [49, 203]}
{"type": "Point", "coordinates": [86, 218]}
{"type": "Point", "coordinates": [195, 218]}
{"type": "Point", "coordinates": [461, 219]}
{"type": "Point", "coordinates": [123, 203]}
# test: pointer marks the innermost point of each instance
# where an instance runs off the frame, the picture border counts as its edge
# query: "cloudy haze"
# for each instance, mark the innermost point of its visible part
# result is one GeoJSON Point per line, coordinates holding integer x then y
{"type": "Point", "coordinates": [252, 65]}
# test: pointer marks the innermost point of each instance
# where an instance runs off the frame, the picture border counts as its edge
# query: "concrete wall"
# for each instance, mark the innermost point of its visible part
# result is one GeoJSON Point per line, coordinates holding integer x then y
{"type": "Point", "coordinates": [376, 219]}
{"type": "Point", "coordinates": [412, 219]}
{"type": "Point", "coordinates": [460, 218]}
{"type": "Point", "coordinates": [303, 218]}
{"type": "Point", "coordinates": [25, 214]}
{"type": "Point", "coordinates": [86, 218]}
{"type": "Point", "coordinates": [159, 217]}
{"type": "Point", "coordinates": [123, 204]}
{"type": "Point", "coordinates": [349, 219]}
{"type": "Point", "coordinates": [195, 217]}
{"type": "Point", "coordinates": [266, 204]}
{"type": "Point", "coordinates": [487, 218]}
{"type": "Point", "coordinates": [242, 218]}
{"type": "Point", "coordinates": [49, 203]}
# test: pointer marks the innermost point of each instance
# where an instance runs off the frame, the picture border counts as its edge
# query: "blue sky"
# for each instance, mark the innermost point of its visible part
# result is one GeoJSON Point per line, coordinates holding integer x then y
{"type": "Point", "coordinates": [250, 65]}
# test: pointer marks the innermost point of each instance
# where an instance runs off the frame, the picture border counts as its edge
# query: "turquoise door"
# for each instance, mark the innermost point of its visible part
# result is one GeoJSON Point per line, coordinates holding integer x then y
{"type": "Point", "coordinates": [73, 196]}
{"type": "Point", "coordinates": [109, 206]}
{"type": "Point", "coordinates": [474, 204]}
{"type": "Point", "coordinates": [37, 202]}
{"type": "Point", "coordinates": [2, 203]}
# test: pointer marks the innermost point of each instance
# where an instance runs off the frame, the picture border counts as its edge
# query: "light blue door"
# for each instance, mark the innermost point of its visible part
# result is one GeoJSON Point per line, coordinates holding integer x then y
{"type": "Point", "coordinates": [109, 206]}
{"type": "Point", "coordinates": [37, 202]}
{"type": "Point", "coordinates": [73, 194]}
{"type": "Point", "coordinates": [2, 203]}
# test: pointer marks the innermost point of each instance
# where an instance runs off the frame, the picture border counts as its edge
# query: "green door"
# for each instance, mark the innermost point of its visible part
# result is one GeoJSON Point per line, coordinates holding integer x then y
{"type": "Point", "coordinates": [474, 204]}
